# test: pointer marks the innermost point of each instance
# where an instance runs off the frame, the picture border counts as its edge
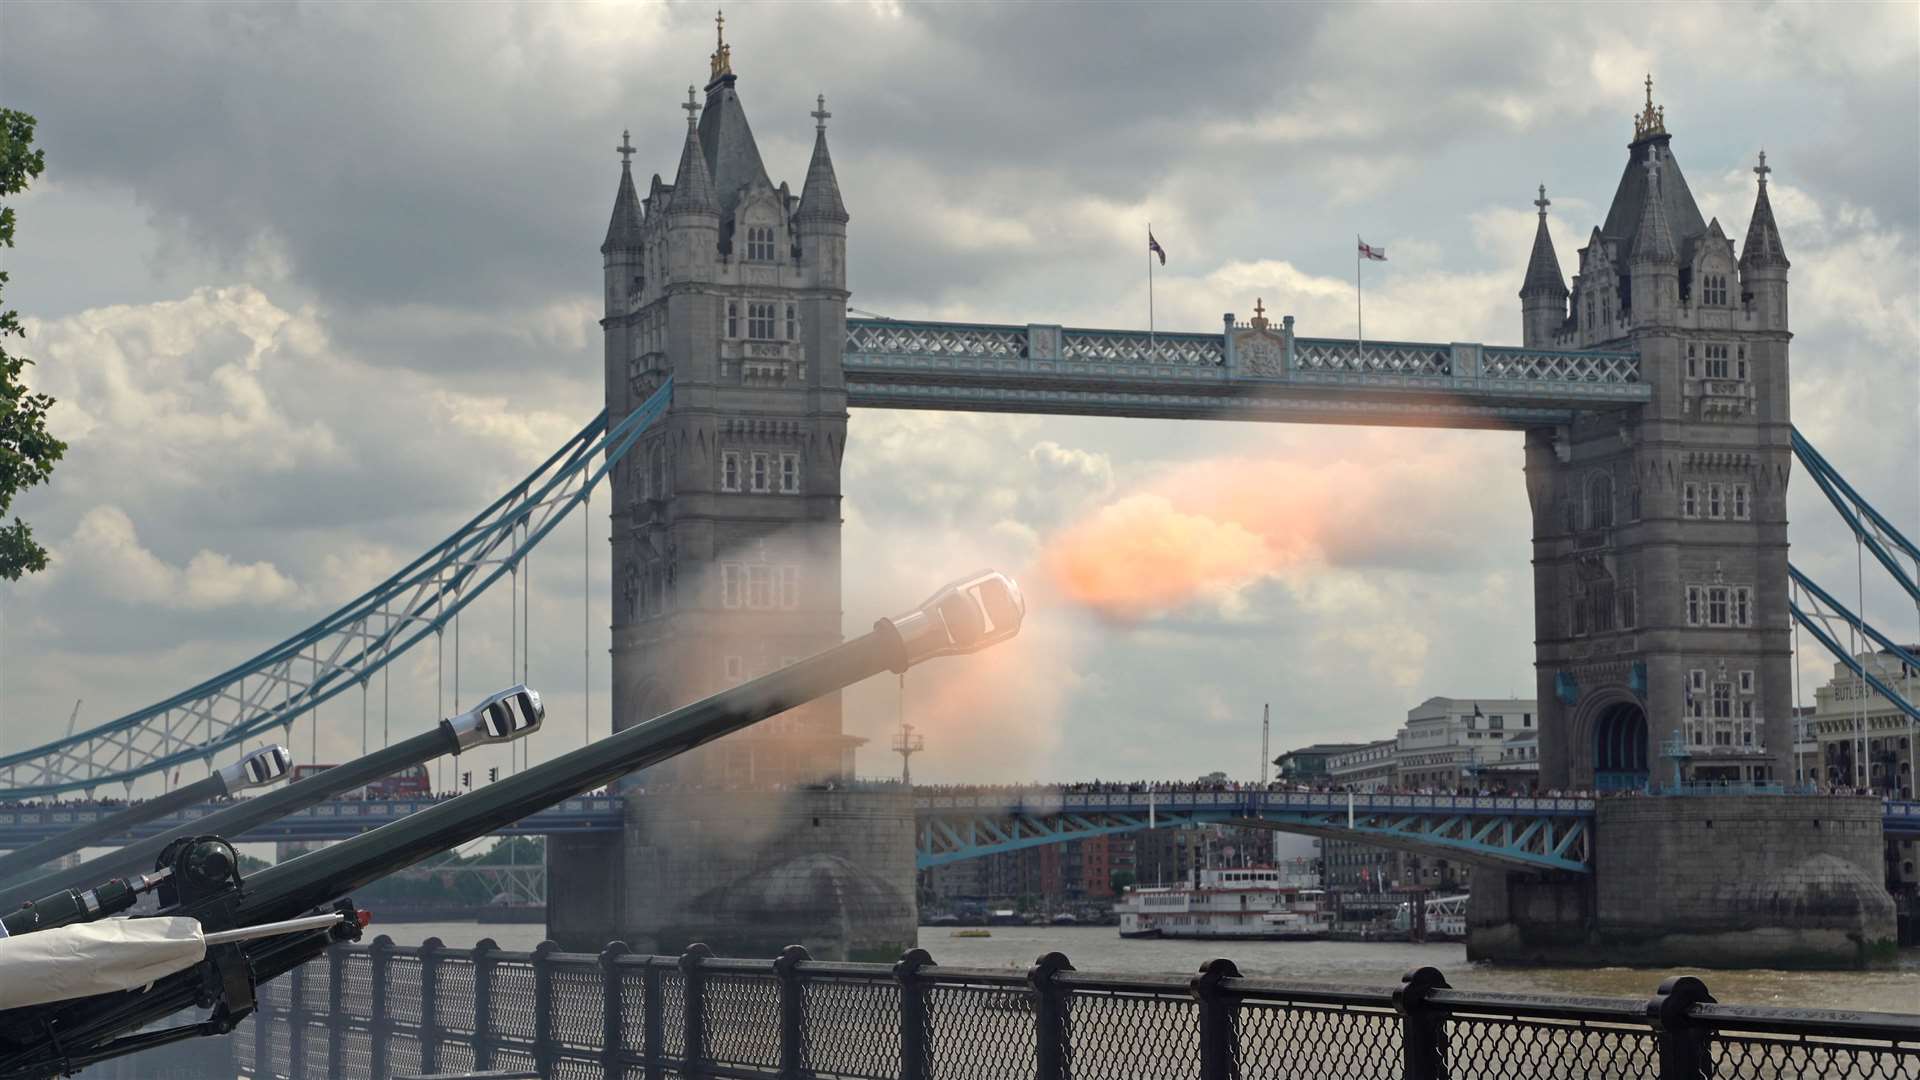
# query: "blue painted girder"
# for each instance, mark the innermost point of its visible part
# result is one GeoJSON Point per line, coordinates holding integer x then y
{"type": "Point", "coordinates": [1531, 834]}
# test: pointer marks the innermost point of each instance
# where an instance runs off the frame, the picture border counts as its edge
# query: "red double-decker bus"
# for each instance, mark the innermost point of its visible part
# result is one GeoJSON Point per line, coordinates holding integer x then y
{"type": "Point", "coordinates": [409, 783]}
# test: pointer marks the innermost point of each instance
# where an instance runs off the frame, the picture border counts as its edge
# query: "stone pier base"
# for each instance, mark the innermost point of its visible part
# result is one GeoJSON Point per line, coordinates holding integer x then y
{"type": "Point", "coordinates": [746, 872]}
{"type": "Point", "coordinates": [1740, 881]}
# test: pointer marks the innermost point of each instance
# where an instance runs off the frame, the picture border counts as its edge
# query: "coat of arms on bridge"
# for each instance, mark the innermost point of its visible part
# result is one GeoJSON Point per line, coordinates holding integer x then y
{"type": "Point", "coordinates": [1258, 348]}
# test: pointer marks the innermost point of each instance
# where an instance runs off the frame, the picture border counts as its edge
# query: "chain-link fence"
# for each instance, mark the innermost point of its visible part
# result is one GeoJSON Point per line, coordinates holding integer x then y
{"type": "Point", "coordinates": [383, 1011]}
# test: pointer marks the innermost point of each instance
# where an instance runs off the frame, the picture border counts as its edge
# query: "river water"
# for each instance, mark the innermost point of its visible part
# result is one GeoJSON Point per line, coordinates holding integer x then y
{"type": "Point", "coordinates": [1100, 948]}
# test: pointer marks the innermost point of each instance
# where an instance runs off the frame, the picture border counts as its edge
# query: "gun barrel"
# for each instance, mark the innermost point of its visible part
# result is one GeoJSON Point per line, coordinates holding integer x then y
{"type": "Point", "coordinates": [962, 617]}
{"type": "Point", "coordinates": [319, 876]}
{"type": "Point", "coordinates": [262, 766]}
{"type": "Point", "coordinates": [234, 821]}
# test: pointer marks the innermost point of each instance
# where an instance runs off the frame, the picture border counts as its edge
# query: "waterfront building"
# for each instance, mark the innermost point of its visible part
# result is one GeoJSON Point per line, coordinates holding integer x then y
{"type": "Point", "coordinates": [1367, 767]}
{"type": "Point", "coordinates": [1448, 740]}
{"type": "Point", "coordinates": [1517, 769]}
{"type": "Point", "coordinates": [1307, 766]}
{"type": "Point", "coordinates": [1863, 741]}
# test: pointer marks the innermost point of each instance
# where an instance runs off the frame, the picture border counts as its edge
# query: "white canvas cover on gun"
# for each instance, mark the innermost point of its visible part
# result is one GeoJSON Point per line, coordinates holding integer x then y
{"type": "Point", "coordinates": [95, 958]}
{"type": "Point", "coordinates": [115, 954]}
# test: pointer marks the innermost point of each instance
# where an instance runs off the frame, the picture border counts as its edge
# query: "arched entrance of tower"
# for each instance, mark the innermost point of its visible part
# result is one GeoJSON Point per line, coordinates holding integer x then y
{"type": "Point", "coordinates": [1621, 750]}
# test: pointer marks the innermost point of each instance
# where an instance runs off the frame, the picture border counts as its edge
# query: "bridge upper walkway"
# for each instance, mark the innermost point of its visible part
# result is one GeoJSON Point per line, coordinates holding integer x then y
{"type": "Point", "coordinates": [1539, 834]}
{"type": "Point", "coordinates": [1244, 372]}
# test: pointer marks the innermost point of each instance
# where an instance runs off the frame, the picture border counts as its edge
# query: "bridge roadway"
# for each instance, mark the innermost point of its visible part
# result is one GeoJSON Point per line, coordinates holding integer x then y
{"type": "Point", "coordinates": [1516, 833]}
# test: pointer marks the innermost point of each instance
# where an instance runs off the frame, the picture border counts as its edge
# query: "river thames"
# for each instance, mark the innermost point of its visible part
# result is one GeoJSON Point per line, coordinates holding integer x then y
{"type": "Point", "coordinates": [1099, 948]}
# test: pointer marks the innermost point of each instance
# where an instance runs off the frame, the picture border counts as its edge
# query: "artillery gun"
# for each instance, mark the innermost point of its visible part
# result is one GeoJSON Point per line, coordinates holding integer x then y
{"type": "Point", "coordinates": [489, 722]}
{"type": "Point", "coordinates": [256, 769]}
{"type": "Point", "coordinates": [200, 878]}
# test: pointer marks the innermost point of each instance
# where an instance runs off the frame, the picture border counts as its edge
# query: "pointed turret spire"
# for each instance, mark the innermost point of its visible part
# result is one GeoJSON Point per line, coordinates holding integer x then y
{"type": "Point", "coordinates": [623, 230]}
{"type": "Point", "coordinates": [820, 198]}
{"type": "Point", "coordinates": [692, 186]}
{"type": "Point", "coordinates": [1652, 120]}
{"type": "Point", "coordinates": [1763, 247]}
{"type": "Point", "coordinates": [1653, 243]}
{"type": "Point", "coordinates": [1543, 268]}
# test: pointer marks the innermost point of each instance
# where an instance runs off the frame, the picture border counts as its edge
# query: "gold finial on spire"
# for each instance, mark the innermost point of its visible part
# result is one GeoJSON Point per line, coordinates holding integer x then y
{"type": "Point", "coordinates": [1260, 320]}
{"type": "Point", "coordinates": [722, 52]}
{"type": "Point", "coordinates": [1652, 120]}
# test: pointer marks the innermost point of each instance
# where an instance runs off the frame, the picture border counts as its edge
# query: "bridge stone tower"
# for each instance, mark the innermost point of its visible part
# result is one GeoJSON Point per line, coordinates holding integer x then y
{"type": "Point", "coordinates": [1660, 598]}
{"type": "Point", "coordinates": [726, 562]}
{"type": "Point", "coordinates": [1660, 538]}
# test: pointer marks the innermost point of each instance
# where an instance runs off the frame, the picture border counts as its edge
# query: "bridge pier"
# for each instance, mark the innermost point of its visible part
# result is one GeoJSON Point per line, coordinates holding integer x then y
{"type": "Point", "coordinates": [746, 872]}
{"type": "Point", "coordinates": [1738, 881]}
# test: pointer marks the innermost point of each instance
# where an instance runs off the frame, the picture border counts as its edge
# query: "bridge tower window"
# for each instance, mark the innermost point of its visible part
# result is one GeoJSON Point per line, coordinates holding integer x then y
{"type": "Point", "coordinates": [1742, 510]}
{"type": "Point", "coordinates": [1690, 499]}
{"type": "Point", "coordinates": [1714, 501]}
{"type": "Point", "coordinates": [730, 470]}
{"type": "Point", "coordinates": [793, 323]}
{"type": "Point", "coordinates": [1693, 605]}
{"type": "Point", "coordinates": [760, 321]}
{"type": "Point", "coordinates": [760, 472]}
{"type": "Point", "coordinates": [733, 318]}
{"type": "Point", "coordinates": [1718, 607]}
{"type": "Point", "coordinates": [760, 243]}
{"type": "Point", "coordinates": [1600, 501]}
{"type": "Point", "coordinates": [790, 474]}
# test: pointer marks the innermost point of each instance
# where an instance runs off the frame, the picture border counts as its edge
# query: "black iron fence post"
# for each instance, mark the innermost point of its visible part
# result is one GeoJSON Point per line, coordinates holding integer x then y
{"type": "Point", "coordinates": [430, 1004]}
{"type": "Point", "coordinates": [1423, 1035]}
{"type": "Point", "coordinates": [296, 1023]}
{"type": "Point", "coordinates": [1052, 1049]}
{"type": "Point", "coordinates": [613, 1028]}
{"type": "Point", "coordinates": [379, 1031]}
{"type": "Point", "coordinates": [793, 1012]}
{"type": "Point", "coordinates": [263, 1021]}
{"type": "Point", "coordinates": [543, 1054]}
{"type": "Point", "coordinates": [1684, 1050]}
{"type": "Point", "coordinates": [336, 1016]}
{"type": "Point", "coordinates": [655, 1026]}
{"type": "Point", "coordinates": [916, 1030]}
{"type": "Point", "coordinates": [1219, 1021]}
{"type": "Point", "coordinates": [695, 1011]}
{"type": "Point", "coordinates": [483, 965]}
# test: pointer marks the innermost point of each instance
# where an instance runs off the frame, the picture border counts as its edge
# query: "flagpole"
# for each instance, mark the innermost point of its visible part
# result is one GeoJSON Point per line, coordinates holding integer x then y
{"type": "Point", "coordinates": [1359, 324]}
{"type": "Point", "coordinates": [1150, 343]}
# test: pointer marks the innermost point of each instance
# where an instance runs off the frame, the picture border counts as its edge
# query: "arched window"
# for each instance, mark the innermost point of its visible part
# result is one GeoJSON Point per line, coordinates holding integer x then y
{"type": "Point", "coordinates": [1600, 501]}
{"type": "Point", "coordinates": [760, 243]}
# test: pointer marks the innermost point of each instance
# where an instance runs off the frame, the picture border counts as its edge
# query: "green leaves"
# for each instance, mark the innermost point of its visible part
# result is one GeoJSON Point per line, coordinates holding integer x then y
{"type": "Point", "coordinates": [27, 450]}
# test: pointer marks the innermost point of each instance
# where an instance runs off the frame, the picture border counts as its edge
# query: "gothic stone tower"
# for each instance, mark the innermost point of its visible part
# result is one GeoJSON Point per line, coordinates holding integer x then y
{"type": "Point", "coordinates": [726, 516]}
{"type": "Point", "coordinates": [1660, 537]}
{"type": "Point", "coordinates": [726, 565]}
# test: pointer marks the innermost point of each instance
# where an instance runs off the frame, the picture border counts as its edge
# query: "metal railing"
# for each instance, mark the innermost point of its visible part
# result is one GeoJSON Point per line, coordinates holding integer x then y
{"type": "Point", "coordinates": [384, 1010]}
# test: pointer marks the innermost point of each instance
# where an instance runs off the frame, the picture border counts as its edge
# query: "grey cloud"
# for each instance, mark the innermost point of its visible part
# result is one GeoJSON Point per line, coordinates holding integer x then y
{"type": "Point", "coordinates": [434, 181]}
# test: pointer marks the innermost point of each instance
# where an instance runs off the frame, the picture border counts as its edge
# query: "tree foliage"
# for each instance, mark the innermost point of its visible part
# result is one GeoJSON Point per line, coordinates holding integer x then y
{"type": "Point", "coordinates": [27, 450]}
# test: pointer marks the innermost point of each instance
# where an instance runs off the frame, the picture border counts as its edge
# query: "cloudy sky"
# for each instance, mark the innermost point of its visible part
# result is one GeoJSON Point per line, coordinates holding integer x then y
{"type": "Point", "coordinates": [315, 282]}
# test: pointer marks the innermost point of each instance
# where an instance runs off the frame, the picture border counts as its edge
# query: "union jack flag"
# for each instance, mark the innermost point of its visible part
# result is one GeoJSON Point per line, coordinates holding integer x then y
{"type": "Point", "coordinates": [1154, 247]}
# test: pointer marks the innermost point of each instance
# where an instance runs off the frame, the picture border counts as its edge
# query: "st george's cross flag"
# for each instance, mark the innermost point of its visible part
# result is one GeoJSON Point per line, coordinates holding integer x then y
{"type": "Point", "coordinates": [1154, 247]}
{"type": "Point", "coordinates": [1377, 254]}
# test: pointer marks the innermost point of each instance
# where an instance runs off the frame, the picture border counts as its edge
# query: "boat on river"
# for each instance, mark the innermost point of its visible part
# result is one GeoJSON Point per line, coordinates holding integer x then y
{"type": "Point", "coordinates": [1246, 904]}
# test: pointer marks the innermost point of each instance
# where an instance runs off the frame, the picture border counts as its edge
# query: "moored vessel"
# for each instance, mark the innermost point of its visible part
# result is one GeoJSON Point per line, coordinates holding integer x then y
{"type": "Point", "coordinates": [1247, 904]}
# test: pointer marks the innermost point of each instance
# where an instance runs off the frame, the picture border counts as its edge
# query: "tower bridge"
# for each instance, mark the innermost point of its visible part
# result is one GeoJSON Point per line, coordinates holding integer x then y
{"type": "Point", "coordinates": [1651, 390]}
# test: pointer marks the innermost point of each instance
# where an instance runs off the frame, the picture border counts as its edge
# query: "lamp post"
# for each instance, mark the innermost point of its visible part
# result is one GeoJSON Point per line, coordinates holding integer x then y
{"type": "Point", "coordinates": [907, 744]}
